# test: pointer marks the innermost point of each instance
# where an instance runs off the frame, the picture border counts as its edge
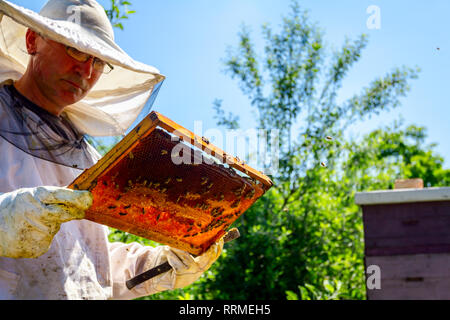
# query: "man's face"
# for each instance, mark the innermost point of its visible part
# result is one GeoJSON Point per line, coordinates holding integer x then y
{"type": "Point", "coordinates": [60, 78]}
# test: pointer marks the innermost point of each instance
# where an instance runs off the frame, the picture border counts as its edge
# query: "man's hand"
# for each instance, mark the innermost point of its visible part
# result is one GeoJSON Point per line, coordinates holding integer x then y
{"type": "Point", "coordinates": [187, 268]}
{"type": "Point", "coordinates": [31, 217]}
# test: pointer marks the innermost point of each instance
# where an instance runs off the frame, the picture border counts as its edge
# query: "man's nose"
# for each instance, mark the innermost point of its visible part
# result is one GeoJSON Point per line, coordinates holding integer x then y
{"type": "Point", "coordinates": [86, 68]}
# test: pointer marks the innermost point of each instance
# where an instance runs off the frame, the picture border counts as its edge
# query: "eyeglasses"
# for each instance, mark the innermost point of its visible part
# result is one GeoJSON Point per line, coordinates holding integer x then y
{"type": "Point", "coordinates": [99, 65]}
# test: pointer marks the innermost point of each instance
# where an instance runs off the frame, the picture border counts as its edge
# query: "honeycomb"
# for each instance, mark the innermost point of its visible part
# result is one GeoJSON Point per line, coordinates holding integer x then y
{"type": "Point", "coordinates": [187, 206]}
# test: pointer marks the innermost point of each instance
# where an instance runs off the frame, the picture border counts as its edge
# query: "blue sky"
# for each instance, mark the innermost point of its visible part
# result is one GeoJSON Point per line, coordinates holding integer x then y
{"type": "Point", "coordinates": [187, 40]}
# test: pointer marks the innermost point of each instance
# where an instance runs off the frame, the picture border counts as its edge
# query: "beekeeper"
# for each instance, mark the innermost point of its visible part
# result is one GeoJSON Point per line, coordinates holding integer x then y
{"type": "Point", "coordinates": [62, 77]}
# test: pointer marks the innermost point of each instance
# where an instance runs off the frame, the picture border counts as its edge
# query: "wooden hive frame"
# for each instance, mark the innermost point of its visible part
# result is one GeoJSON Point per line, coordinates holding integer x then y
{"type": "Point", "coordinates": [89, 178]}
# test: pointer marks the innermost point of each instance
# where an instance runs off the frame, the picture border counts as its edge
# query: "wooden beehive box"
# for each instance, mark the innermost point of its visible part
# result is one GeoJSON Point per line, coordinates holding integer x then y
{"type": "Point", "coordinates": [407, 235]}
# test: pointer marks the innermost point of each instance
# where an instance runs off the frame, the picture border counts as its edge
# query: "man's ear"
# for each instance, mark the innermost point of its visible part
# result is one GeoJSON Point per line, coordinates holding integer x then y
{"type": "Point", "coordinates": [31, 42]}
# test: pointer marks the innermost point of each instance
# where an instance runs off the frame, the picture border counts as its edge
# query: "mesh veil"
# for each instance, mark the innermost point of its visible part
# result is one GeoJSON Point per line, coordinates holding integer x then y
{"type": "Point", "coordinates": [42, 134]}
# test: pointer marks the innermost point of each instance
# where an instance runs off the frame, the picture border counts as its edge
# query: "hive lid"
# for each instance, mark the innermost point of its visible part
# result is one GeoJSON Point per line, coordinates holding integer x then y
{"type": "Point", "coordinates": [402, 196]}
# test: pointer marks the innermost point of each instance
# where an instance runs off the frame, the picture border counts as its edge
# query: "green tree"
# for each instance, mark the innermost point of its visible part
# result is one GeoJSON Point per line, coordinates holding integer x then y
{"type": "Point", "coordinates": [304, 238]}
{"type": "Point", "coordinates": [119, 11]}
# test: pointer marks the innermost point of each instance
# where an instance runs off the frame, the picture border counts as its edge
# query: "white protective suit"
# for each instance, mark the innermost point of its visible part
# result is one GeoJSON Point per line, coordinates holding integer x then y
{"type": "Point", "coordinates": [81, 263]}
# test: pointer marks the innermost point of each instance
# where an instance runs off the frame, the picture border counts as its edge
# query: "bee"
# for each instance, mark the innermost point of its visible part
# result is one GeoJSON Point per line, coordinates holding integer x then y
{"type": "Point", "coordinates": [164, 152]}
{"type": "Point", "coordinates": [122, 213]}
{"type": "Point", "coordinates": [204, 181]}
{"type": "Point", "coordinates": [210, 185]}
{"type": "Point", "coordinates": [112, 207]}
{"type": "Point", "coordinates": [127, 207]}
{"type": "Point", "coordinates": [189, 229]}
{"type": "Point", "coordinates": [235, 204]}
{"type": "Point", "coordinates": [157, 218]}
{"type": "Point", "coordinates": [329, 138]}
{"type": "Point", "coordinates": [179, 180]}
{"type": "Point", "coordinates": [323, 164]}
{"type": "Point", "coordinates": [156, 185]}
{"type": "Point", "coordinates": [163, 190]}
{"type": "Point", "coordinates": [105, 183]}
{"type": "Point", "coordinates": [118, 198]}
{"type": "Point", "coordinates": [238, 192]}
{"type": "Point", "coordinates": [250, 194]}
{"type": "Point", "coordinates": [130, 183]}
{"type": "Point", "coordinates": [193, 235]}
{"type": "Point", "coordinates": [143, 210]}
{"type": "Point", "coordinates": [168, 180]}
{"type": "Point", "coordinates": [144, 183]}
{"type": "Point", "coordinates": [205, 140]}
{"type": "Point", "coordinates": [131, 155]}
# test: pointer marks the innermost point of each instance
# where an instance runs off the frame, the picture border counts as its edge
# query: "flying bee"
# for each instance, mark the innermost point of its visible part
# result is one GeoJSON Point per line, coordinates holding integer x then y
{"type": "Point", "coordinates": [168, 180]}
{"type": "Point", "coordinates": [323, 164]}
{"type": "Point", "coordinates": [131, 155]}
{"type": "Point", "coordinates": [329, 138]}
{"type": "Point", "coordinates": [204, 181]}
{"type": "Point", "coordinates": [164, 152]}
{"type": "Point", "coordinates": [179, 180]}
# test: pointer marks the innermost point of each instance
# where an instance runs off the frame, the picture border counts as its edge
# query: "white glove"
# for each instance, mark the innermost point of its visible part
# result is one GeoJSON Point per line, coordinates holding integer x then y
{"type": "Point", "coordinates": [185, 268]}
{"type": "Point", "coordinates": [31, 217]}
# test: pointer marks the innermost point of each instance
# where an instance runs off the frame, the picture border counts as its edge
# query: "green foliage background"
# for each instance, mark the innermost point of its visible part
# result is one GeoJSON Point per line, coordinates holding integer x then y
{"type": "Point", "coordinates": [304, 238]}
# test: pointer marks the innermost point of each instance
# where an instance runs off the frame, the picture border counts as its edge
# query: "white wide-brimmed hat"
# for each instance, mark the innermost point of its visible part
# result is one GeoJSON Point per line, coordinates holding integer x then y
{"type": "Point", "coordinates": [118, 98]}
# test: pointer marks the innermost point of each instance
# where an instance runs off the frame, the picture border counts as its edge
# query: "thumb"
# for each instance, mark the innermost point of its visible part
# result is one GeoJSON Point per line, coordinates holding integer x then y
{"type": "Point", "coordinates": [64, 197]}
